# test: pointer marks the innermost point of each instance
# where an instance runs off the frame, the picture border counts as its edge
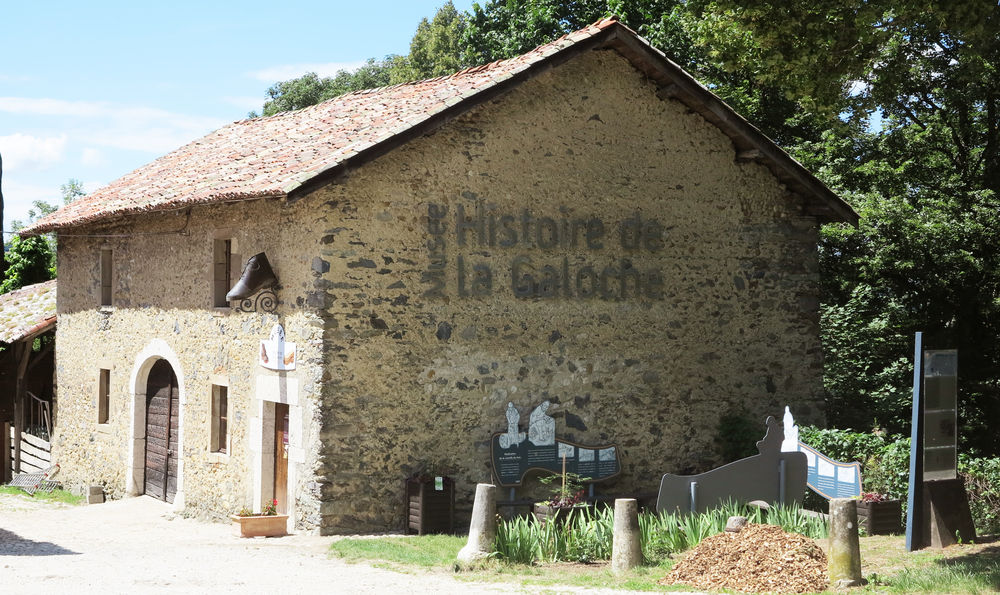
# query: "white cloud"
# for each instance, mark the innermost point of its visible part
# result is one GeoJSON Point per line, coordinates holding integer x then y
{"type": "Point", "coordinates": [136, 128]}
{"type": "Point", "coordinates": [18, 198]}
{"type": "Point", "coordinates": [284, 72]}
{"type": "Point", "coordinates": [23, 151]}
{"type": "Point", "coordinates": [52, 107]}
{"type": "Point", "coordinates": [245, 103]}
{"type": "Point", "coordinates": [93, 157]}
{"type": "Point", "coordinates": [7, 78]}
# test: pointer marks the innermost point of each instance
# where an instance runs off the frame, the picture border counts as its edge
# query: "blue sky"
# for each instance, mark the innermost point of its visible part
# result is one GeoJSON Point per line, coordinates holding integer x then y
{"type": "Point", "coordinates": [92, 90]}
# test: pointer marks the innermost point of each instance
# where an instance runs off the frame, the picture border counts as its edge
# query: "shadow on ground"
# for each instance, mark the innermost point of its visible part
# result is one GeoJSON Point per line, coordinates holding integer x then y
{"type": "Point", "coordinates": [984, 564]}
{"type": "Point", "coordinates": [12, 544]}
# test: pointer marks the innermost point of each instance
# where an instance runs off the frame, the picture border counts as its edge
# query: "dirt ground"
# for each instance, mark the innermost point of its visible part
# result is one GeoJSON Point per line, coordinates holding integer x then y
{"type": "Point", "coordinates": [138, 545]}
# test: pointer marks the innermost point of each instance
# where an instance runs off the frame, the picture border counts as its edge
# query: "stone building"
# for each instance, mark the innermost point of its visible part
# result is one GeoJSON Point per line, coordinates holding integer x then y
{"type": "Point", "coordinates": [584, 225]}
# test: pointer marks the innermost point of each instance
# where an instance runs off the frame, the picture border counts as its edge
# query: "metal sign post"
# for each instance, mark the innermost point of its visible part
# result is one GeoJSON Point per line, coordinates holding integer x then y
{"type": "Point", "coordinates": [915, 495]}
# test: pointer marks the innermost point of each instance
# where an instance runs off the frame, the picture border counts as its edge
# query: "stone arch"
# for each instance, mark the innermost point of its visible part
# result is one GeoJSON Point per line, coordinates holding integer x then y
{"type": "Point", "coordinates": [155, 350]}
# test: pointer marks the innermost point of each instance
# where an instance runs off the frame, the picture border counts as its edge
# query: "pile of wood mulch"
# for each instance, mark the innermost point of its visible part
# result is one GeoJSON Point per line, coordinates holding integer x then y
{"type": "Point", "coordinates": [760, 558]}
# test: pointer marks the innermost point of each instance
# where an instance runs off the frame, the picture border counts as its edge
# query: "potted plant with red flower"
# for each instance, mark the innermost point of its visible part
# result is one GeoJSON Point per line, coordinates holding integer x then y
{"type": "Point", "coordinates": [880, 515]}
{"type": "Point", "coordinates": [266, 523]}
{"type": "Point", "coordinates": [567, 497]}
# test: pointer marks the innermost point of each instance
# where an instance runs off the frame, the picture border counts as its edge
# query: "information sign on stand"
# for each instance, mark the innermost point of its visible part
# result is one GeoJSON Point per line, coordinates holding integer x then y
{"type": "Point", "coordinates": [937, 505]}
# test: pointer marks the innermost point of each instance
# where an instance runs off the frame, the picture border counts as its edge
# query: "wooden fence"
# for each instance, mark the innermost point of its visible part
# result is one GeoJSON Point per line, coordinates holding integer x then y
{"type": "Point", "coordinates": [35, 454]}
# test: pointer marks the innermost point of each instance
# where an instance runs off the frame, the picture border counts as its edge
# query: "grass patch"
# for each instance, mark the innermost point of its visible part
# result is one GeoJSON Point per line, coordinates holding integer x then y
{"type": "Point", "coordinates": [57, 495]}
{"type": "Point", "coordinates": [561, 574]}
{"type": "Point", "coordinates": [967, 568]}
{"type": "Point", "coordinates": [423, 551]}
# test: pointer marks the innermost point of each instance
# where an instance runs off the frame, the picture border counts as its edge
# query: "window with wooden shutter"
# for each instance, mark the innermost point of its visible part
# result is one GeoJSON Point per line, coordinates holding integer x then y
{"type": "Point", "coordinates": [103, 396]}
{"type": "Point", "coordinates": [106, 276]}
{"type": "Point", "coordinates": [222, 263]}
{"type": "Point", "coordinates": [220, 419]}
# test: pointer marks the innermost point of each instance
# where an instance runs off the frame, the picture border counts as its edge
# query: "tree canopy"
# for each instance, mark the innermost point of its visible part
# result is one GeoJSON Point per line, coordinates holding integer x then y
{"type": "Point", "coordinates": [28, 262]}
{"type": "Point", "coordinates": [33, 259]}
{"type": "Point", "coordinates": [436, 49]}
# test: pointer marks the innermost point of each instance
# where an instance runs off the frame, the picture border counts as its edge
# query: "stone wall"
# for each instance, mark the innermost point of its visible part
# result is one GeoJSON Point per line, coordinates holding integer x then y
{"type": "Point", "coordinates": [426, 290]}
{"type": "Point", "coordinates": [162, 308]}
{"type": "Point", "coordinates": [441, 309]}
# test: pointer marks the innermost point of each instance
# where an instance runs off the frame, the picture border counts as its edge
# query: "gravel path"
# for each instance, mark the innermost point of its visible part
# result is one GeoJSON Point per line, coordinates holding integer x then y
{"type": "Point", "coordinates": [137, 545]}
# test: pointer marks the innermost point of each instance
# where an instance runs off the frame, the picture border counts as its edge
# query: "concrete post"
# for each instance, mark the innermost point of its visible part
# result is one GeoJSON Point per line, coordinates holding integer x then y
{"type": "Point", "coordinates": [626, 551]}
{"type": "Point", "coordinates": [845, 550]}
{"type": "Point", "coordinates": [483, 528]}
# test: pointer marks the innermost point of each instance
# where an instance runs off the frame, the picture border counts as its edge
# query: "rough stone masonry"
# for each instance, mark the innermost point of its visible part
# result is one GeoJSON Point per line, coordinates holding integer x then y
{"type": "Point", "coordinates": [577, 239]}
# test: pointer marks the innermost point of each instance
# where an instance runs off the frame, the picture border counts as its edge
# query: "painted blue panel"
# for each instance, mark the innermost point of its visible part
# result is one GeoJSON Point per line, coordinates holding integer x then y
{"type": "Point", "coordinates": [829, 478]}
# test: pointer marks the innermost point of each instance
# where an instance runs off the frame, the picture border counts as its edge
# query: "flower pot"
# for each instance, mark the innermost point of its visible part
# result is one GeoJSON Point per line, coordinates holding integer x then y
{"type": "Point", "coordinates": [274, 525]}
{"type": "Point", "coordinates": [881, 518]}
{"type": "Point", "coordinates": [558, 514]}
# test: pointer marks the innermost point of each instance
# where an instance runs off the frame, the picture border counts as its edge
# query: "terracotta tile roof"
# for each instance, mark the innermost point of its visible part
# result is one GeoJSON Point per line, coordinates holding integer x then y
{"type": "Point", "coordinates": [292, 153]}
{"type": "Point", "coordinates": [27, 310]}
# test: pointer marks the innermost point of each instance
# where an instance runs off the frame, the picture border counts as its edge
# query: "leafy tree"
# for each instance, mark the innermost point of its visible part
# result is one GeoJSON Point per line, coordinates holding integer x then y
{"type": "Point", "coordinates": [507, 28]}
{"type": "Point", "coordinates": [22, 252]}
{"type": "Point", "coordinates": [925, 181]}
{"type": "Point", "coordinates": [28, 262]}
{"type": "Point", "coordinates": [70, 191]}
{"type": "Point", "coordinates": [435, 50]}
{"type": "Point", "coordinates": [310, 89]}
{"type": "Point", "coordinates": [436, 47]}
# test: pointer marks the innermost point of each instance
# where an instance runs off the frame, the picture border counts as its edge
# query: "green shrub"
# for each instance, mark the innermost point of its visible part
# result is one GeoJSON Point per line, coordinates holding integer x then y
{"type": "Point", "coordinates": [982, 484]}
{"type": "Point", "coordinates": [885, 469]}
{"type": "Point", "coordinates": [587, 536]}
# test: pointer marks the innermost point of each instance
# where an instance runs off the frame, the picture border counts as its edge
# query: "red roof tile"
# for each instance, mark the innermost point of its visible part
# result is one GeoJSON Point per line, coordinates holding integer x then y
{"type": "Point", "coordinates": [295, 151]}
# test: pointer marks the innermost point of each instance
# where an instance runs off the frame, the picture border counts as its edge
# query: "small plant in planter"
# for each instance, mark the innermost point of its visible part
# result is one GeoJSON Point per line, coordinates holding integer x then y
{"type": "Point", "coordinates": [266, 523]}
{"type": "Point", "coordinates": [566, 495]}
{"type": "Point", "coordinates": [879, 515]}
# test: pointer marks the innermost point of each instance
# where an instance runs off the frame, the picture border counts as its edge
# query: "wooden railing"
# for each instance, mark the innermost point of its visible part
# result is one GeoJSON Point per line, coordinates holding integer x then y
{"type": "Point", "coordinates": [35, 453]}
{"type": "Point", "coordinates": [38, 417]}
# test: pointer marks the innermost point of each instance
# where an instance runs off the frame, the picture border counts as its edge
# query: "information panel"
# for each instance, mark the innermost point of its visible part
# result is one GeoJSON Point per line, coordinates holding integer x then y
{"type": "Point", "coordinates": [514, 452]}
{"type": "Point", "coordinates": [940, 414]}
{"type": "Point", "coordinates": [590, 463]}
{"type": "Point", "coordinates": [829, 478]}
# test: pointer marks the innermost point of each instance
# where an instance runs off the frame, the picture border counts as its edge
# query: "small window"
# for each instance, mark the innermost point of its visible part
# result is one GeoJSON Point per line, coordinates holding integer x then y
{"type": "Point", "coordinates": [103, 396]}
{"type": "Point", "coordinates": [106, 263]}
{"type": "Point", "coordinates": [222, 266]}
{"type": "Point", "coordinates": [220, 417]}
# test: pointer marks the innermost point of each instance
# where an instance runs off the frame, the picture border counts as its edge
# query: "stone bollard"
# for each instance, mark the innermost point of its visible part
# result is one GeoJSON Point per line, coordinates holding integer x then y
{"type": "Point", "coordinates": [845, 550]}
{"type": "Point", "coordinates": [483, 528]}
{"type": "Point", "coordinates": [95, 495]}
{"type": "Point", "coordinates": [626, 552]}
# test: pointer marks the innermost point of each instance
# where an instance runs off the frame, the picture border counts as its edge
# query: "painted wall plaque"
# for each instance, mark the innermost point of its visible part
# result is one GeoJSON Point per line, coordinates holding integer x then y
{"type": "Point", "coordinates": [515, 453]}
{"type": "Point", "coordinates": [826, 477]}
{"type": "Point", "coordinates": [275, 353]}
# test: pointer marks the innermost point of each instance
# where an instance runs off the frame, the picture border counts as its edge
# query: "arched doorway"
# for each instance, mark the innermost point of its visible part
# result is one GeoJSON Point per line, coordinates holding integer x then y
{"type": "Point", "coordinates": [162, 431]}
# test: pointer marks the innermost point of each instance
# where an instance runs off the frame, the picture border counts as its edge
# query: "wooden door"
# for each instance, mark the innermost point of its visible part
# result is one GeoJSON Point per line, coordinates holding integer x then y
{"type": "Point", "coordinates": [281, 456]}
{"type": "Point", "coordinates": [162, 414]}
